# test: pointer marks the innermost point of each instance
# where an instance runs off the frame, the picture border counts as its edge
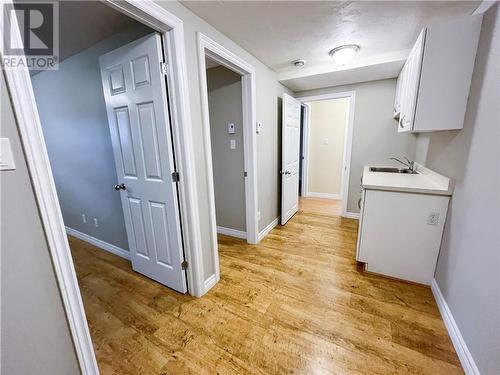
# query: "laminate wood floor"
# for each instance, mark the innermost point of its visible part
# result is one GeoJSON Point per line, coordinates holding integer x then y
{"type": "Point", "coordinates": [294, 304]}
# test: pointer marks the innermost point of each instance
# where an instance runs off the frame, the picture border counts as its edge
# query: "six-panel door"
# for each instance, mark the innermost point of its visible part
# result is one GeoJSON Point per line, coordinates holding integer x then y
{"type": "Point", "coordinates": [137, 108]}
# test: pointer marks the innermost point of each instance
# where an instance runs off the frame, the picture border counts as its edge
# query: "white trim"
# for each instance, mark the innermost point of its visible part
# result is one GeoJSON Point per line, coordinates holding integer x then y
{"type": "Point", "coordinates": [208, 47]}
{"type": "Point", "coordinates": [344, 194]}
{"type": "Point", "coordinates": [264, 232]}
{"type": "Point", "coordinates": [483, 7]}
{"type": "Point", "coordinates": [352, 215]}
{"type": "Point", "coordinates": [313, 194]}
{"type": "Point", "coordinates": [99, 243]}
{"type": "Point", "coordinates": [211, 281]}
{"type": "Point", "coordinates": [465, 356]}
{"type": "Point", "coordinates": [28, 121]}
{"type": "Point", "coordinates": [305, 148]}
{"type": "Point", "coordinates": [232, 232]}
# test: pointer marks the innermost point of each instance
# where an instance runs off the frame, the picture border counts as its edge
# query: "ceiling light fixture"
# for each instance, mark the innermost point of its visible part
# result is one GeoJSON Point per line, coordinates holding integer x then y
{"type": "Point", "coordinates": [299, 63]}
{"type": "Point", "coordinates": [344, 54]}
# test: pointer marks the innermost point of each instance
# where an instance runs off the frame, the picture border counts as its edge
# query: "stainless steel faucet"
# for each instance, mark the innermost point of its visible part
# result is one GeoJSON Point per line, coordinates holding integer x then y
{"type": "Point", "coordinates": [409, 163]}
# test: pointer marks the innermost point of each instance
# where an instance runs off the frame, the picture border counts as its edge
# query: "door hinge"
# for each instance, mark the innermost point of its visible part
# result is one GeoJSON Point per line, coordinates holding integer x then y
{"type": "Point", "coordinates": [184, 265]}
{"type": "Point", "coordinates": [245, 174]}
{"type": "Point", "coordinates": [164, 68]}
{"type": "Point", "coordinates": [175, 176]}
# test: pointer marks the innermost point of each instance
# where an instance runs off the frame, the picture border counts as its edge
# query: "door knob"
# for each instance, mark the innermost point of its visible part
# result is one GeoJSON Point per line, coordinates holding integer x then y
{"type": "Point", "coordinates": [119, 187]}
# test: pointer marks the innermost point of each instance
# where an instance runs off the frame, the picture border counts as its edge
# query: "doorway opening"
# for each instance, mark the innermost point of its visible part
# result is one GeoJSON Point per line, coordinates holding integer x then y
{"type": "Point", "coordinates": [105, 117]}
{"type": "Point", "coordinates": [222, 72]}
{"type": "Point", "coordinates": [326, 138]}
{"type": "Point", "coordinates": [224, 90]}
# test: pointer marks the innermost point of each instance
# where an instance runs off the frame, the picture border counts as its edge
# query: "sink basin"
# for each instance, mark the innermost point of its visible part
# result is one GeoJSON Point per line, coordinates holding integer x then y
{"type": "Point", "coordinates": [392, 170]}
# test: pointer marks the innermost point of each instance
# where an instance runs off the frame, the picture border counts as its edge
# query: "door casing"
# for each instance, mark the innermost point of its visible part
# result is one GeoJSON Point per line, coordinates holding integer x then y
{"type": "Point", "coordinates": [347, 143]}
{"type": "Point", "coordinates": [210, 48]}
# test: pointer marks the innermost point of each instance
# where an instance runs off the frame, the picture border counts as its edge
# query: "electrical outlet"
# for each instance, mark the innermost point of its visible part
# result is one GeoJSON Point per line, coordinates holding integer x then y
{"type": "Point", "coordinates": [84, 218]}
{"type": "Point", "coordinates": [96, 222]}
{"type": "Point", "coordinates": [433, 218]}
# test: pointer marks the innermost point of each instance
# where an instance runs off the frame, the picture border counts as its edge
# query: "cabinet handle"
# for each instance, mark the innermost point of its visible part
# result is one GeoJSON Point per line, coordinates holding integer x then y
{"type": "Point", "coordinates": [359, 202]}
{"type": "Point", "coordinates": [401, 121]}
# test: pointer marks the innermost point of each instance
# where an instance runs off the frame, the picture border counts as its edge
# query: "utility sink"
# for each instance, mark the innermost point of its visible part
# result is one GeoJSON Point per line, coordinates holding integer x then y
{"type": "Point", "coordinates": [392, 170]}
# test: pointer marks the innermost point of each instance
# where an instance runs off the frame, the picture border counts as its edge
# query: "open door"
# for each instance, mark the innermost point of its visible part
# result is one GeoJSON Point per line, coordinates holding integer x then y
{"type": "Point", "coordinates": [290, 158]}
{"type": "Point", "coordinates": [136, 102]}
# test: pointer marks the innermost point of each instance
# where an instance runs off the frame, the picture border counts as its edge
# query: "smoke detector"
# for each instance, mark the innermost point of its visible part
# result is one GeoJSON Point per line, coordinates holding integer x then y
{"type": "Point", "coordinates": [299, 63]}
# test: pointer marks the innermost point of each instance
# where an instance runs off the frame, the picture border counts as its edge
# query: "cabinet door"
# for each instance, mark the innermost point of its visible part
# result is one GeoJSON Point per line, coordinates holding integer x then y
{"type": "Point", "coordinates": [410, 93]}
{"type": "Point", "coordinates": [398, 238]}
{"type": "Point", "coordinates": [397, 98]}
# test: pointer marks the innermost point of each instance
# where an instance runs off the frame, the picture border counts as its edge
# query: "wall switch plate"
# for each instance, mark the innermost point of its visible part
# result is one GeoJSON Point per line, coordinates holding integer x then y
{"type": "Point", "coordinates": [258, 128]}
{"type": "Point", "coordinates": [84, 218]}
{"type": "Point", "coordinates": [231, 129]}
{"type": "Point", "coordinates": [433, 218]}
{"type": "Point", "coordinates": [232, 144]}
{"type": "Point", "coordinates": [325, 141]}
{"type": "Point", "coordinates": [96, 222]}
{"type": "Point", "coordinates": [258, 215]}
{"type": "Point", "coordinates": [6, 156]}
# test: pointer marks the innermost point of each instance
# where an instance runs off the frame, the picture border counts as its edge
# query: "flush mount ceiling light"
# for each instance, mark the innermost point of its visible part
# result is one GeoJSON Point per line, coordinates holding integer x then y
{"type": "Point", "coordinates": [299, 63]}
{"type": "Point", "coordinates": [344, 54]}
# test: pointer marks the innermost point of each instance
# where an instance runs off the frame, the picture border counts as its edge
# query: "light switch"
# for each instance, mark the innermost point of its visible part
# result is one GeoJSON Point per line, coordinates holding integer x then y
{"type": "Point", "coordinates": [325, 142]}
{"type": "Point", "coordinates": [6, 157]}
{"type": "Point", "coordinates": [232, 144]}
{"type": "Point", "coordinates": [231, 128]}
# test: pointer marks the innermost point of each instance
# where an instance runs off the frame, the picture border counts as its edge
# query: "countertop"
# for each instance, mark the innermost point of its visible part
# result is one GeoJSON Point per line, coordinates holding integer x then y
{"type": "Point", "coordinates": [425, 181]}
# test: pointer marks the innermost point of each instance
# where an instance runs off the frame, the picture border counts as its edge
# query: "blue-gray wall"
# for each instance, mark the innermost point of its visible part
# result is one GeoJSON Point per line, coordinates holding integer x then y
{"type": "Point", "coordinates": [73, 115]}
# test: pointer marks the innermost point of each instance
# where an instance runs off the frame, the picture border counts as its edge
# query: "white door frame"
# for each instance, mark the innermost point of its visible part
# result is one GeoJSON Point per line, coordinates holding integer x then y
{"type": "Point", "coordinates": [216, 52]}
{"type": "Point", "coordinates": [28, 122]}
{"type": "Point", "coordinates": [344, 190]}
{"type": "Point", "coordinates": [305, 148]}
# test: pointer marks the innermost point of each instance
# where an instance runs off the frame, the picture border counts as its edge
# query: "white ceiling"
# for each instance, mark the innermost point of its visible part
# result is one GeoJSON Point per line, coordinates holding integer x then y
{"type": "Point", "coordinates": [277, 32]}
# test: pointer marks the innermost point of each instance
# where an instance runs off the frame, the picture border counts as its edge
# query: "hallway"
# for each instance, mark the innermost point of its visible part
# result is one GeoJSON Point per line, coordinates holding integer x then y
{"type": "Point", "coordinates": [295, 303]}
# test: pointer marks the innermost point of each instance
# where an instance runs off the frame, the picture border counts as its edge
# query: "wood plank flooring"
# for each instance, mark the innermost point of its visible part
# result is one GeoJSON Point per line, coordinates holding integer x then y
{"type": "Point", "coordinates": [294, 304]}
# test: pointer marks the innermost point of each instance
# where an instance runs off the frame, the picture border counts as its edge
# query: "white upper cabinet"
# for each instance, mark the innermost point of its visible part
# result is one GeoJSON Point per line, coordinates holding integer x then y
{"type": "Point", "coordinates": [409, 85]}
{"type": "Point", "coordinates": [434, 83]}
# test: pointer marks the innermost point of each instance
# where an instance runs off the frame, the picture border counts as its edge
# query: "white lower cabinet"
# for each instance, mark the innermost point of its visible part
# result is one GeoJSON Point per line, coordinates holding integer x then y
{"type": "Point", "coordinates": [400, 233]}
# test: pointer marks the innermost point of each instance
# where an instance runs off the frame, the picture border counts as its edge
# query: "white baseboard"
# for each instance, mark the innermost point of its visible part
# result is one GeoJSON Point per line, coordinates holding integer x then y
{"type": "Point", "coordinates": [99, 243]}
{"type": "Point", "coordinates": [463, 352]}
{"type": "Point", "coordinates": [232, 232]}
{"type": "Point", "coordinates": [352, 215]}
{"type": "Point", "coordinates": [264, 232]}
{"type": "Point", "coordinates": [210, 282]}
{"type": "Point", "coordinates": [323, 195]}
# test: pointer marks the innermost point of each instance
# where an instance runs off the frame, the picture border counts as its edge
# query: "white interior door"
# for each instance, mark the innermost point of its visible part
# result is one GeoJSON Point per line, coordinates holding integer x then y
{"type": "Point", "coordinates": [290, 155]}
{"type": "Point", "coordinates": [136, 103]}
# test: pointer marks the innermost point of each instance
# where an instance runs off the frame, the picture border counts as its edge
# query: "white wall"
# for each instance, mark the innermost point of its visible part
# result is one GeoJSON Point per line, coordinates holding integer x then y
{"type": "Point", "coordinates": [72, 111]}
{"type": "Point", "coordinates": [375, 136]}
{"type": "Point", "coordinates": [225, 106]}
{"type": "Point", "coordinates": [327, 129]}
{"type": "Point", "coordinates": [469, 261]}
{"type": "Point", "coordinates": [269, 90]}
{"type": "Point", "coordinates": [35, 335]}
